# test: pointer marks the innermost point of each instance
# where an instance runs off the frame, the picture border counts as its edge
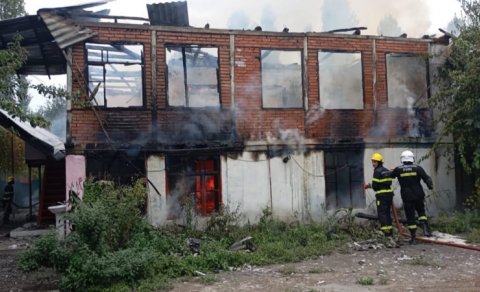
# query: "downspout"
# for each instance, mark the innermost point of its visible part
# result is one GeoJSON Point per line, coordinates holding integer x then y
{"type": "Point", "coordinates": [401, 231]}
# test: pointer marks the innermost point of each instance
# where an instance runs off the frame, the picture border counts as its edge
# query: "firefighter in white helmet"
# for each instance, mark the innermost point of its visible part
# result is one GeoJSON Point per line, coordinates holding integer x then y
{"type": "Point", "coordinates": [382, 185]}
{"type": "Point", "coordinates": [409, 176]}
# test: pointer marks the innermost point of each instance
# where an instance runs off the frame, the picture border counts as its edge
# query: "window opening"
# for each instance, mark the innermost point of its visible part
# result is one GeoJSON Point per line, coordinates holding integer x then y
{"type": "Point", "coordinates": [341, 83]}
{"type": "Point", "coordinates": [117, 71]}
{"type": "Point", "coordinates": [196, 181]}
{"type": "Point", "coordinates": [282, 79]}
{"type": "Point", "coordinates": [192, 76]}
{"type": "Point", "coordinates": [343, 179]}
{"type": "Point", "coordinates": [407, 78]}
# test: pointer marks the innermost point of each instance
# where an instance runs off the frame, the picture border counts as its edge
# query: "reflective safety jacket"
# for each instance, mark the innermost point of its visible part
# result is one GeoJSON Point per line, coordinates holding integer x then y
{"type": "Point", "coordinates": [382, 182]}
{"type": "Point", "coordinates": [409, 176]}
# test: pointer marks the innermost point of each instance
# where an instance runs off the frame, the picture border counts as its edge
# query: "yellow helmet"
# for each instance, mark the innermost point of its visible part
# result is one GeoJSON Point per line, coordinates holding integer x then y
{"type": "Point", "coordinates": [10, 179]}
{"type": "Point", "coordinates": [377, 157]}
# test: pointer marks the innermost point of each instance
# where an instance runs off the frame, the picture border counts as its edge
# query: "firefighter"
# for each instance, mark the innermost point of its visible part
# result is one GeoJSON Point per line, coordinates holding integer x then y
{"type": "Point", "coordinates": [8, 199]}
{"type": "Point", "coordinates": [409, 176]}
{"type": "Point", "coordinates": [382, 185]}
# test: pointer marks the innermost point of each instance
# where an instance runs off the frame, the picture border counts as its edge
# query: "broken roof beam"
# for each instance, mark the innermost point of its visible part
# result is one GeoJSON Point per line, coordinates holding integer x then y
{"type": "Point", "coordinates": [356, 30]}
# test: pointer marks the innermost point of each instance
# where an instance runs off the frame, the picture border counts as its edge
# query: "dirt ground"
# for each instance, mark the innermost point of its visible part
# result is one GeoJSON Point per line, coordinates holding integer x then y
{"type": "Point", "coordinates": [422, 267]}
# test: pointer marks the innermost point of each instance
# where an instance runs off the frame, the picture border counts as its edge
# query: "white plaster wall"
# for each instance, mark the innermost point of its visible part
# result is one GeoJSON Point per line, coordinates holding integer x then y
{"type": "Point", "coordinates": [156, 207]}
{"type": "Point", "coordinates": [296, 189]}
{"type": "Point", "coordinates": [313, 168]}
{"type": "Point", "coordinates": [293, 190]}
{"type": "Point", "coordinates": [246, 185]}
{"type": "Point", "coordinates": [288, 188]}
{"type": "Point", "coordinates": [75, 174]}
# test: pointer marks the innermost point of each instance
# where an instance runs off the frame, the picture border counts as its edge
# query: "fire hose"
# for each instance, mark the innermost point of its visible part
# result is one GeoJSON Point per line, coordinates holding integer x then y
{"type": "Point", "coordinates": [401, 231]}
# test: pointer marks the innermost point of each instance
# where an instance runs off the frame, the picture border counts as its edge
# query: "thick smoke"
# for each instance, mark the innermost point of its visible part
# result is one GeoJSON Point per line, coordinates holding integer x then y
{"type": "Point", "coordinates": [412, 16]}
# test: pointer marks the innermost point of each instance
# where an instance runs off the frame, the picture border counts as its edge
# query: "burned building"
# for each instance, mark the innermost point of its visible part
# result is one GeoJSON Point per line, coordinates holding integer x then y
{"type": "Point", "coordinates": [247, 119]}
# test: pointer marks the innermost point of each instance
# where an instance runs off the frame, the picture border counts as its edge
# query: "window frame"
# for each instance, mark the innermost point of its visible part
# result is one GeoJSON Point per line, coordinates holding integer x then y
{"type": "Point", "coordinates": [357, 199]}
{"type": "Point", "coordinates": [185, 74]}
{"type": "Point", "coordinates": [186, 168]}
{"type": "Point", "coordinates": [362, 77]}
{"type": "Point", "coordinates": [302, 81]}
{"type": "Point", "coordinates": [427, 78]}
{"type": "Point", "coordinates": [100, 63]}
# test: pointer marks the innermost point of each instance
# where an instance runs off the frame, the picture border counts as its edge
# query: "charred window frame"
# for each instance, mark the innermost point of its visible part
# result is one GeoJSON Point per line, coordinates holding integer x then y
{"type": "Point", "coordinates": [195, 180]}
{"type": "Point", "coordinates": [282, 82]}
{"type": "Point", "coordinates": [340, 79]}
{"type": "Point", "coordinates": [192, 76]}
{"type": "Point", "coordinates": [407, 80]}
{"type": "Point", "coordinates": [115, 74]}
{"type": "Point", "coordinates": [344, 178]}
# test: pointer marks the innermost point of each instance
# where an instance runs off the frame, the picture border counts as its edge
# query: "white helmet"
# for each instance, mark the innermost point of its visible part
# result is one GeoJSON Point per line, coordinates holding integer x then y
{"type": "Point", "coordinates": [407, 156]}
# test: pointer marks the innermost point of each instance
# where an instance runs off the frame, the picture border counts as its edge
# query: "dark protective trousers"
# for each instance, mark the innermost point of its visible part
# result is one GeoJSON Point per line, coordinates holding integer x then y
{"type": "Point", "coordinates": [384, 206]}
{"type": "Point", "coordinates": [410, 207]}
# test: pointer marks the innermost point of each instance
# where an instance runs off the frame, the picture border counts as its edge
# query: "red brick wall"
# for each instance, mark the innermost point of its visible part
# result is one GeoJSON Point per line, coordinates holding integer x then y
{"type": "Point", "coordinates": [251, 121]}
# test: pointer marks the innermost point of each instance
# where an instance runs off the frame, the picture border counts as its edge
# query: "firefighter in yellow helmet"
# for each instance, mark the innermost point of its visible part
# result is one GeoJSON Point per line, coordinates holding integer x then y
{"type": "Point", "coordinates": [8, 199]}
{"type": "Point", "coordinates": [382, 185]}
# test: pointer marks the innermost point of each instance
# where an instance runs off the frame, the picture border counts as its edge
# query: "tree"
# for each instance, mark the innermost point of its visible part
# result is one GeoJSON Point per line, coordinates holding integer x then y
{"type": "Point", "coordinates": [54, 111]}
{"type": "Point", "coordinates": [458, 96]}
{"type": "Point", "coordinates": [11, 9]}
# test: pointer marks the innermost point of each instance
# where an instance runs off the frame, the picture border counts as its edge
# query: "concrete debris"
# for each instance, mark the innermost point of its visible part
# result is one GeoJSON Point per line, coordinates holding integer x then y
{"type": "Point", "coordinates": [244, 244]}
{"type": "Point", "coordinates": [404, 258]}
{"type": "Point", "coordinates": [194, 245]}
{"type": "Point", "coordinates": [447, 237]}
{"type": "Point", "coordinates": [28, 230]}
{"type": "Point", "coordinates": [366, 244]}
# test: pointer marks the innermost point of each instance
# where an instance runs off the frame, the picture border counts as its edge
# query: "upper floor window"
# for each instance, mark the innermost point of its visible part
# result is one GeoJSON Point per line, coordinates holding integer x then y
{"type": "Point", "coordinates": [115, 72]}
{"type": "Point", "coordinates": [341, 83]}
{"type": "Point", "coordinates": [192, 76]}
{"type": "Point", "coordinates": [407, 78]}
{"type": "Point", "coordinates": [282, 79]}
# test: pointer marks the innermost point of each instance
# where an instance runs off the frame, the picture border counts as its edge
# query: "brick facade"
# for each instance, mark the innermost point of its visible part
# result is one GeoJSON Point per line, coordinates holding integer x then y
{"type": "Point", "coordinates": [241, 112]}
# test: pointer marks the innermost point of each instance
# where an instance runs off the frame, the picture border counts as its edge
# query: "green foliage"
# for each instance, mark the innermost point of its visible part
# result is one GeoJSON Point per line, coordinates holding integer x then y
{"type": "Point", "coordinates": [458, 222]}
{"type": "Point", "coordinates": [365, 281]}
{"type": "Point", "coordinates": [11, 9]}
{"type": "Point", "coordinates": [14, 97]}
{"type": "Point", "coordinates": [473, 236]}
{"type": "Point", "coordinates": [467, 223]}
{"type": "Point", "coordinates": [457, 99]}
{"type": "Point", "coordinates": [112, 248]}
{"type": "Point", "coordinates": [108, 215]}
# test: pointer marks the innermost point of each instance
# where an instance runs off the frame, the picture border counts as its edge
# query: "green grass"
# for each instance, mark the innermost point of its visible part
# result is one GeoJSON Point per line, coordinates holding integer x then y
{"type": "Point", "coordinates": [365, 281]}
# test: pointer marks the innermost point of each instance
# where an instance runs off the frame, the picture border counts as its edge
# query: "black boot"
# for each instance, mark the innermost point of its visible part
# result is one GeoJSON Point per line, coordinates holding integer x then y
{"type": "Point", "coordinates": [426, 229]}
{"type": "Point", "coordinates": [413, 237]}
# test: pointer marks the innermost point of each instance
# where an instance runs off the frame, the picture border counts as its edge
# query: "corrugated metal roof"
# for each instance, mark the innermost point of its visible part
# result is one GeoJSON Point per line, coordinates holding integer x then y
{"type": "Point", "coordinates": [40, 138]}
{"type": "Point", "coordinates": [64, 31]}
{"type": "Point", "coordinates": [44, 56]}
{"type": "Point", "coordinates": [170, 13]}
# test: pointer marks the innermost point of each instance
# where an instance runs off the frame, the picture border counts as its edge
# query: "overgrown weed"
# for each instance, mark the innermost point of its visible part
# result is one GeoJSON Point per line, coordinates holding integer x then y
{"type": "Point", "coordinates": [111, 246]}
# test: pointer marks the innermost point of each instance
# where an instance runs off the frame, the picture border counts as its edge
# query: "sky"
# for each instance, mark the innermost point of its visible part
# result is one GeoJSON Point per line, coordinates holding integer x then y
{"type": "Point", "coordinates": [414, 17]}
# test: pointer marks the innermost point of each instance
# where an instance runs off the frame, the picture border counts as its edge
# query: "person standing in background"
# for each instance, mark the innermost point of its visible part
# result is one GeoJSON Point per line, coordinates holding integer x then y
{"type": "Point", "coordinates": [8, 199]}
